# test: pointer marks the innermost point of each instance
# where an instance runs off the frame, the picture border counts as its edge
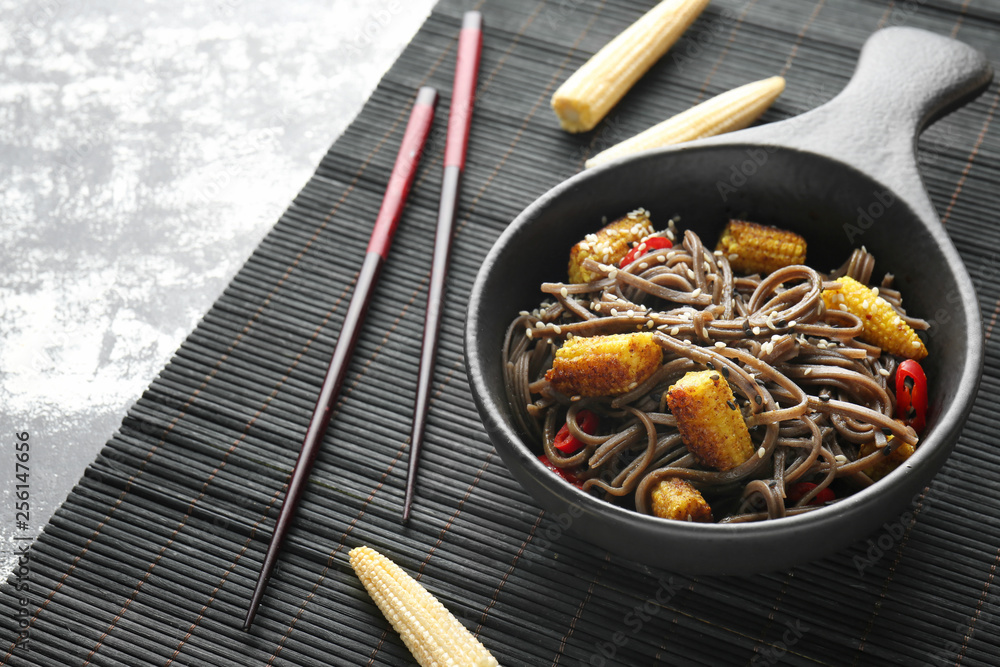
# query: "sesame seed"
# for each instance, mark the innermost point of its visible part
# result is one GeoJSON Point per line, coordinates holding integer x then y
{"type": "Point", "coordinates": [714, 377]}
{"type": "Point", "coordinates": [731, 404]}
{"type": "Point", "coordinates": [807, 371]}
{"type": "Point", "coordinates": [597, 307]}
{"type": "Point", "coordinates": [557, 329]}
{"type": "Point", "coordinates": [884, 372]}
{"type": "Point", "coordinates": [630, 312]}
{"type": "Point", "coordinates": [875, 291]}
{"type": "Point", "coordinates": [650, 324]}
{"type": "Point", "coordinates": [575, 398]}
{"type": "Point", "coordinates": [613, 274]}
{"type": "Point", "coordinates": [767, 348]}
{"type": "Point", "coordinates": [633, 385]}
{"type": "Point", "coordinates": [915, 343]}
{"type": "Point", "coordinates": [792, 324]}
{"type": "Point", "coordinates": [756, 331]}
{"type": "Point", "coordinates": [690, 273]}
{"type": "Point", "coordinates": [776, 337]}
{"type": "Point", "coordinates": [643, 265]}
{"type": "Point", "coordinates": [540, 325]}
{"type": "Point", "coordinates": [569, 335]}
{"type": "Point", "coordinates": [719, 344]}
{"type": "Point", "coordinates": [761, 452]}
{"type": "Point", "coordinates": [782, 323]}
{"type": "Point", "coordinates": [524, 313]}
{"type": "Point", "coordinates": [824, 397]}
{"type": "Point", "coordinates": [661, 258]}
{"type": "Point", "coordinates": [757, 399]}
{"type": "Point", "coordinates": [670, 235]}
{"type": "Point", "coordinates": [614, 312]}
{"type": "Point", "coordinates": [840, 458]}
{"type": "Point", "coordinates": [717, 253]}
{"type": "Point", "coordinates": [527, 332]}
{"type": "Point", "coordinates": [564, 292]}
{"type": "Point", "coordinates": [674, 331]}
{"type": "Point", "coordinates": [710, 365]}
{"type": "Point", "coordinates": [864, 305]}
{"type": "Point", "coordinates": [696, 293]}
{"type": "Point", "coordinates": [725, 372]}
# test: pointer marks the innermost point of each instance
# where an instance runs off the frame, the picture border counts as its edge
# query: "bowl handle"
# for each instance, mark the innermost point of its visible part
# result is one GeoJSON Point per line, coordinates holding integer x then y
{"type": "Point", "coordinates": [905, 79]}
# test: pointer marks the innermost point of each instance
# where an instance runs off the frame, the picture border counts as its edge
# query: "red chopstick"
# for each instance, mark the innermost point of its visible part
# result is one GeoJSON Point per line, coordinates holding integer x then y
{"type": "Point", "coordinates": [470, 43]}
{"type": "Point", "coordinates": [400, 181]}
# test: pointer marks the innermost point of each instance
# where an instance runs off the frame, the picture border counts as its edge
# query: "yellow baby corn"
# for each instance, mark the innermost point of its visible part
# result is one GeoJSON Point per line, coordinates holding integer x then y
{"type": "Point", "coordinates": [604, 365]}
{"type": "Point", "coordinates": [709, 419]}
{"type": "Point", "coordinates": [609, 245]}
{"type": "Point", "coordinates": [882, 325]}
{"type": "Point", "coordinates": [732, 110]}
{"type": "Point", "coordinates": [753, 248]}
{"type": "Point", "coordinates": [432, 634]}
{"type": "Point", "coordinates": [585, 97]}
{"type": "Point", "coordinates": [677, 499]}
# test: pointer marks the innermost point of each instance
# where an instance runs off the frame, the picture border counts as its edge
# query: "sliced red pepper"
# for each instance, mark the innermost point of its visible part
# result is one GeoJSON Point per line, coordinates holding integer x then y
{"type": "Point", "coordinates": [798, 490]}
{"type": "Point", "coordinates": [649, 245]}
{"type": "Point", "coordinates": [911, 395]}
{"type": "Point", "coordinates": [562, 472]}
{"type": "Point", "coordinates": [569, 444]}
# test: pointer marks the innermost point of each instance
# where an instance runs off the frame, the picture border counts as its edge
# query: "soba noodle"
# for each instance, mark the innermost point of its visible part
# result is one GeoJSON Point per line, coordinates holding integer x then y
{"type": "Point", "coordinates": [811, 392]}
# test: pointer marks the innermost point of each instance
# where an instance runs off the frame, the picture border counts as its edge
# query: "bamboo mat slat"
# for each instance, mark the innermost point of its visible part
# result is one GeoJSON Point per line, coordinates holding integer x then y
{"type": "Point", "coordinates": [153, 556]}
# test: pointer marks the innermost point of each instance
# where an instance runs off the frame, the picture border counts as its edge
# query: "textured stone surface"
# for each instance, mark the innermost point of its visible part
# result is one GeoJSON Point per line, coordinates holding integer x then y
{"type": "Point", "coordinates": [147, 147]}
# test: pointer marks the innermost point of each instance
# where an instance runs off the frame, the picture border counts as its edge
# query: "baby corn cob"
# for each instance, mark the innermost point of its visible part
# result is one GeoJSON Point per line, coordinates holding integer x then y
{"type": "Point", "coordinates": [887, 464]}
{"type": "Point", "coordinates": [732, 110]}
{"type": "Point", "coordinates": [676, 499]}
{"type": "Point", "coordinates": [709, 420]}
{"type": "Point", "coordinates": [604, 365]}
{"type": "Point", "coordinates": [882, 325]}
{"type": "Point", "coordinates": [609, 245]}
{"type": "Point", "coordinates": [432, 634]}
{"type": "Point", "coordinates": [585, 97]}
{"type": "Point", "coordinates": [753, 248]}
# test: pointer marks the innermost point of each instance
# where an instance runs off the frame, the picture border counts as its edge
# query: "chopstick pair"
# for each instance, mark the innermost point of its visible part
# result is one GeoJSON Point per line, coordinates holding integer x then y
{"type": "Point", "coordinates": [401, 179]}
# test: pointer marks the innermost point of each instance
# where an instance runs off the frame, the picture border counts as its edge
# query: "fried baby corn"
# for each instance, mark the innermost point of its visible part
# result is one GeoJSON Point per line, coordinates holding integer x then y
{"type": "Point", "coordinates": [676, 499]}
{"type": "Point", "coordinates": [882, 324]}
{"type": "Point", "coordinates": [730, 111]}
{"type": "Point", "coordinates": [753, 248]}
{"type": "Point", "coordinates": [710, 422]}
{"type": "Point", "coordinates": [899, 452]}
{"type": "Point", "coordinates": [585, 97]}
{"type": "Point", "coordinates": [609, 245]}
{"type": "Point", "coordinates": [604, 365]}
{"type": "Point", "coordinates": [433, 635]}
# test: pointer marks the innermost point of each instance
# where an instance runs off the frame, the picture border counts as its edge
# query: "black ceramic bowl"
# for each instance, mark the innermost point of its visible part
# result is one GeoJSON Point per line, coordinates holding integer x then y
{"type": "Point", "coordinates": [843, 175]}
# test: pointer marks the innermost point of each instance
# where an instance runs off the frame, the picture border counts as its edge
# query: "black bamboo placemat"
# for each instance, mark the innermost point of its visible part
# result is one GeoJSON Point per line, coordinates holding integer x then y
{"type": "Point", "coordinates": [152, 558]}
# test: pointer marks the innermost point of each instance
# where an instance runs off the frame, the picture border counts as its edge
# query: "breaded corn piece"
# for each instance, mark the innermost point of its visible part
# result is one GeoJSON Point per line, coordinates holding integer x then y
{"type": "Point", "coordinates": [887, 464]}
{"type": "Point", "coordinates": [709, 420]}
{"type": "Point", "coordinates": [604, 365]}
{"type": "Point", "coordinates": [753, 248]}
{"type": "Point", "coordinates": [609, 245]}
{"type": "Point", "coordinates": [882, 325]}
{"type": "Point", "coordinates": [585, 97]}
{"type": "Point", "coordinates": [676, 499]}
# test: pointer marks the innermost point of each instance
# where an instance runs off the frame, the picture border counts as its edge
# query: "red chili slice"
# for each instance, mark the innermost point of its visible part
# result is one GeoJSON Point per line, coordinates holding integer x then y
{"type": "Point", "coordinates": [649, 245]}
{"type": "Point", "coordinates": [562, 472]}
{"type": "Point", "coordinates": [798, 490]}
{"type": "Point", "coordinates": [911, 395]}
{"type": "Point", "coordinates": [569, 444]}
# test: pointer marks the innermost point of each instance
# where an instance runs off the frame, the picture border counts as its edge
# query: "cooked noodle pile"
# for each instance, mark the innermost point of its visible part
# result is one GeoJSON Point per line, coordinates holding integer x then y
{"type": "Point", "coordinates": [811, 392]}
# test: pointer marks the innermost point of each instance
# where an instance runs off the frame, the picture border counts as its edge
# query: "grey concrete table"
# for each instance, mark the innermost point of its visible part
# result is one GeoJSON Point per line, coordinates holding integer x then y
{"type": "Point", "coordinates": [147, 146]}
